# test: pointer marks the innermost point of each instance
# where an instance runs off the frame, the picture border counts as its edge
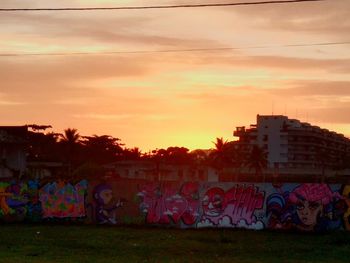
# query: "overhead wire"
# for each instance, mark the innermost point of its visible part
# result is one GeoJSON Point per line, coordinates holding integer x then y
{"type": "Point", "coordinates": [172, 50]}
{"type": "Point", "coordinates": [156, 6]}
{"type": "Point", "coordinates": [163, 7]}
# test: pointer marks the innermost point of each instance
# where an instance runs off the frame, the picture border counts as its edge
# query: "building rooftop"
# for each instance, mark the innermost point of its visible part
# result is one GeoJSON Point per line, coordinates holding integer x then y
{"type": "Point", "coordinates": [13, 134]}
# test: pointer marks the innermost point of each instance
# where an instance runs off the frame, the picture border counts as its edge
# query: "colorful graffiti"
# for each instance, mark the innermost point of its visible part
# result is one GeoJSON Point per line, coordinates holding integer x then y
{"type": "Point", "coordinates": [233, 208]}
{"type": "Point", "coordinates": [60, 200]}
{"type": "Point", "coordinates": [301, 207]}
{"type": "Point", "coordinates": [106, 204]}
{"type": "Point", "coordinates": [167, 205]}
{"type": "Point", "coordinates": [19, 201]}
{"type": "Point", "coordinates": [307, 207]}
{"type": "Point", "coordinates": [346, 216]}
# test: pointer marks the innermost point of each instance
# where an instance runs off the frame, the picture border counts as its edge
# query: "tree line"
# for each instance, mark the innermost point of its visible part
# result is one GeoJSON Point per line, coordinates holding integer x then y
{"type": "Point", "coordinates": [86, 155]}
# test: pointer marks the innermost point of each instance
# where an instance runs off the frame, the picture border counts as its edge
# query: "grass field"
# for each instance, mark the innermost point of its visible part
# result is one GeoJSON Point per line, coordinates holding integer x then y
{"type": "Point", "coordinates": [44, 243]}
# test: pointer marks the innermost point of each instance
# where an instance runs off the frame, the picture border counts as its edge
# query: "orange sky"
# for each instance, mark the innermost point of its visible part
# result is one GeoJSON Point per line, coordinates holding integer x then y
{"type": "Point", "coordinates": [186, 99]}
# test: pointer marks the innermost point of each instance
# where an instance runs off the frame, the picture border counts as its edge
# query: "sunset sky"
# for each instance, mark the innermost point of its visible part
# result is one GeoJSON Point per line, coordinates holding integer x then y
{"type": "Point", "coordinates": [154, 100]}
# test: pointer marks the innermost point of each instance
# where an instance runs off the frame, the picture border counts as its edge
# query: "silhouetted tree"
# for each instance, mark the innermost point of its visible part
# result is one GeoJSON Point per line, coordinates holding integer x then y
{"type": "Point", "coordinates": [257, 160]}
{"type": "Point", "coordinates": [70, 137]}
{"type": "Point", "coordinates": [132, 154]}
{"type": "Point", "coordinates": [198, 157]}
{"type": "Point", "coordinates": [43, 147]}
{"type": "Point", "coordinates": [239, 160]}
{"type": "Point", "coordinates": [70, 141]}
{"type": "Point", "coordinates": [221, 155]}
{"type": "Point", "coordinates": [102, 149]}
{"type": "Point", "coordinates": [158, 156]}
{"type": "Point", "coordinates": [177, 155]}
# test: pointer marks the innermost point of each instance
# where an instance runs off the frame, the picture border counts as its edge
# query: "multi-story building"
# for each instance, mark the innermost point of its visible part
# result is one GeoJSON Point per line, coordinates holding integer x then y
{"type": "Point", "coordinates": [290, 143]}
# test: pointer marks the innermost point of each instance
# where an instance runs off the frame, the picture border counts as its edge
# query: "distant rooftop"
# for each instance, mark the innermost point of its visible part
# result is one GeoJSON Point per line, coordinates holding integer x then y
{"type": "Point", "coordinates": [13, 134]}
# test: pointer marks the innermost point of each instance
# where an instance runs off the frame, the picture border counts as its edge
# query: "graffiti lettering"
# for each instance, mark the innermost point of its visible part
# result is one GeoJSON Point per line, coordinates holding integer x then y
{"type": "Point", "coordinates": [233, 208]}
{"type": "Point", "coordinates": [164, 205]}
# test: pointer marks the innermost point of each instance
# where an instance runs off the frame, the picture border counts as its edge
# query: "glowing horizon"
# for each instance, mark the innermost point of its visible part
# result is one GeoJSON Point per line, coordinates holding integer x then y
{"type": "Point", "coordinates": [156, 100]}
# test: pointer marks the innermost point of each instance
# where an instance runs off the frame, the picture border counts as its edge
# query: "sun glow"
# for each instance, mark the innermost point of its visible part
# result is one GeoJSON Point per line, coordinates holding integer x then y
{"type": "Point", "coordinates": [159, 99]}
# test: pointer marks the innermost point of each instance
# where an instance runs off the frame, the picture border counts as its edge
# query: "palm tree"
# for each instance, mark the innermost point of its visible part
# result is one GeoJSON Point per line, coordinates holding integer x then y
{"type": "Point", "coordinates": [70, 136]}
{"type": "Point", "coordinates": [221, 155]}
{"type": "Point", "coordinates": [70, 140]}
{"type": "Point", "coordinates": [257, 159]}
{"type": "Point", "coordinates": [239, 161]}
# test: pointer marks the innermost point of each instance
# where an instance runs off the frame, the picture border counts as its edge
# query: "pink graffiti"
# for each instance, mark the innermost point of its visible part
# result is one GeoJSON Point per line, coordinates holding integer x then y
{"type": "Point", "coordinates": [238, 203]}
{"type": "Point", "coordinates": [153, 204]}
{"type": "Point", "coordinates": [165, 204]}
{"type": "Point", "coordinates": [313, 193]}
{"type": "Point", "coordinates": [190, 192]}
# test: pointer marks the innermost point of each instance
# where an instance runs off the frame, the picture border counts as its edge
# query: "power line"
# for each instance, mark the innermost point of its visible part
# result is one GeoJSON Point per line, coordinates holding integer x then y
{"type": "Point", "coordinates": [155, 6]}
{"type": "Point", "coordinates": [171, 50]}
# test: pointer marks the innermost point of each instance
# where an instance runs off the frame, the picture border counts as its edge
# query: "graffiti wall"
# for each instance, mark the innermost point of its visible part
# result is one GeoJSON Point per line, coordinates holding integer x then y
{"type": "Point", "coordinates": [28, 201]}
{"type": "Point", "coordinates": [60, 200]}
{"type": "Point", "coordinates": [170, 205]}
{"type": "Point", "coordinates": [308, 207]}
{"type": "Point", "coordinates": [19, 201]}
{"type": "Point", "coordinates": [106, 204]}
{"type": "Point", "coordinates": [297, 207]}
{"type": "Point", "coordinates": [304, 207]}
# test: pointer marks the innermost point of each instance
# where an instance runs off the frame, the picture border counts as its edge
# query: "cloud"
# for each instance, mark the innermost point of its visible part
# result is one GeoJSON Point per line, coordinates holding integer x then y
{"type": "Point", "coordinates": [112, 117]}
{"type": "Point", "coordinates": [259, 225]}
{"type": "Point", "coordinates": [10, 103]}
{"type": "Point", "coordinates": [225, 222]}
{"type": "Point", "coordinates": [276, 63]}
{"type": "Point", "coordinates": [103, 31]}
{"type": "Point", "coordinates": [322, 18]}
{"type": "Point", "coordinates": [185, 98]}
{"type": "Point", "coordinates": [205, 223]}
{"type": "Point", "coordinates": [67, 68]}
{"type": "Point", "coordinates": [309, 88]}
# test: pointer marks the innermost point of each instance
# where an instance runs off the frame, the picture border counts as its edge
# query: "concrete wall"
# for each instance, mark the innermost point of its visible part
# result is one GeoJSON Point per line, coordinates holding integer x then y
{"type": "Point", "coordinates": [306, 207]}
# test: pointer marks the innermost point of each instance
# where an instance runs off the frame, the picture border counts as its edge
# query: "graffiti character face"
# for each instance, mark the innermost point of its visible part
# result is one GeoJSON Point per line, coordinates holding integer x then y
{"type": "Point", "coordinates": [310, 200]}
{"type": "Point", "coordinates": [308, 212]}
{"type": "Point", "coordinates": [106, 195]}
{"type": "Point", "coordinates": [103, 195]}
{"type": "Point", "coordinates": [213, 202]}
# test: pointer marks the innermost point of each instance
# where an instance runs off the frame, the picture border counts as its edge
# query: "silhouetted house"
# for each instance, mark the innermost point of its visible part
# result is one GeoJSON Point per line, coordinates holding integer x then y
{"type": "Point", "coordinates": [149, 170]}
{"type": "Point", "coordinates": [13, 142]}
{"type": "Point", "coordinates": [45, 169]}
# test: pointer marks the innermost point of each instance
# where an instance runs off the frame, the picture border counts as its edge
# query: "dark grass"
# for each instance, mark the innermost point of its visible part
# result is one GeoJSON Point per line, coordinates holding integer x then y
{"type": "Point", "coordinates": [57, 243]}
